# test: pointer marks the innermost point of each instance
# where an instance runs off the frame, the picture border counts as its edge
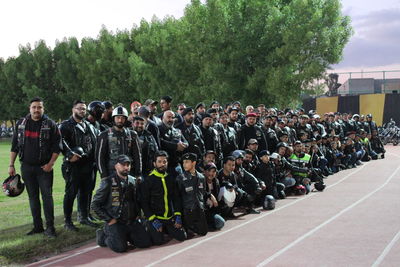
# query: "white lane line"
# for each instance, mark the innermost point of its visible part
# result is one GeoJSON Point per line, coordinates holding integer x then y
{"type": "Point", "coordinates": [386, 250]}
{"type": "Point", "coordinates": [70, 256]}
{"type": "Point", "coordinates": [301, 238]}
{"type": "Point", "coordinates": [247, 222]}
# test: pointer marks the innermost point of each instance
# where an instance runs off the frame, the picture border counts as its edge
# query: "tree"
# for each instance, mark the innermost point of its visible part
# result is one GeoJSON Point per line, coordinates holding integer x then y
{"type": "Point", "coordinates": [255, 51]}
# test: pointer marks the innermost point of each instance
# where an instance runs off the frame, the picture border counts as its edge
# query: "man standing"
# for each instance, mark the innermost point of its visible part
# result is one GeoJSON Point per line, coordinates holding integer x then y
{"type": "Point", "coordinates": [152, 106]}
{"type": "Point", "coordinates": [95, 109]}
{"type": "Point", "coordinates": [147, 142]}
{"type": "Point", "coordinates": [36, 140]}
{"type": "Point", "coordinates": [211, 137]}
{"type": "Point", "coordinates": [370, 125]}
{"type": "Point", "coordinates": [252, 131]}
{"type": "Point", "coordinates": [78, 145]}
{"type": "Point", "coordinates": [116, 202]}
{"type": "Point", "coordinates": [192, 133]}
{"type": "Point", "coordinates": [199, 110]}
{"type": "Point", "coordinates": [116, 141]}
{"type": "Point", "coordinates": [106, 119]}
{"type": "Point", "coordinates": [173, 142]}
{"type": "Point", "coordinates": [165, 104]}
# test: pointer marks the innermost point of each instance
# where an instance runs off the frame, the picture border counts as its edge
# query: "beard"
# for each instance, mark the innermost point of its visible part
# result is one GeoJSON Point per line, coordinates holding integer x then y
{"type": "Point", "coordinates": [169, 124]}
{"type": "Point", "coordinates": [119, 125]}
{"type": "Point", "coordinates": [161, 169]}
{"type": "Point", "coordinates": [139, 130]}
{"type": "Point", "coordinates": [189, 121]}
{"type": "Point", "coordinates": [78, 117]}
{"type": "Point", "coordinates": [123, 173]}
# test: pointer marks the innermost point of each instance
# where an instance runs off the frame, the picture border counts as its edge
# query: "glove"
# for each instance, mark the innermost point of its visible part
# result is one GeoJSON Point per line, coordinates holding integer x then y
{"type": "Point", "coordinates": [178, 219]}
{"type": "Point", "coordinates": [156, 224]}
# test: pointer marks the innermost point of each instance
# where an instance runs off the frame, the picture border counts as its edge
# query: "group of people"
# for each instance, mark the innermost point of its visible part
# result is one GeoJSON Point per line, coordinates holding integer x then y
{"type": "Point", "coordinates": [182, 172]}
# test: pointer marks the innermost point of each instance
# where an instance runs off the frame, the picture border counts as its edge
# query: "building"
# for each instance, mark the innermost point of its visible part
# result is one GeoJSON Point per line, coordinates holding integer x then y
{"type": "Point", "coordinates": [369, 86]}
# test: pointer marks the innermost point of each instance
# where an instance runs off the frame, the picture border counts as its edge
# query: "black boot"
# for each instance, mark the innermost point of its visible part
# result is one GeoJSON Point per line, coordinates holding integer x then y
{"type": "Point", "coordinates": [101, 237]}
{"type": "Point", "coordinates": [50, 232]}
{"type": "Point", "coordinates": [69, 226]}
{"type": "Point", "coordinates": [35, 231]}
{"type": "Point", "coordinates": [86, 221]}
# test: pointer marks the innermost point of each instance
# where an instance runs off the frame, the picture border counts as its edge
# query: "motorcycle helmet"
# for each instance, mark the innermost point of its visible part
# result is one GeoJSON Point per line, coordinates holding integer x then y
{"type": "Point", "coordinates": [120, 111]}
{"type": "Point", "coordinates": [269, 202]}
{"type": "Point", "coordinates": [12, 186]}
{"type": "Point", "coordinates": [96, 109]}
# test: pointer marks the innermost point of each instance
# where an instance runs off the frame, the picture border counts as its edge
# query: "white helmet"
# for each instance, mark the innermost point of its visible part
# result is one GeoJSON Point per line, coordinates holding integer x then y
{"type": "Point", "coordinates": [120, 111]}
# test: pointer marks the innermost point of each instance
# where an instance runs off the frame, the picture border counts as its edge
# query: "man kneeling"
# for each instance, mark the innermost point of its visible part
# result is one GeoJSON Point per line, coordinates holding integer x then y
{"type": "Point", "coordinates": [116, 202]}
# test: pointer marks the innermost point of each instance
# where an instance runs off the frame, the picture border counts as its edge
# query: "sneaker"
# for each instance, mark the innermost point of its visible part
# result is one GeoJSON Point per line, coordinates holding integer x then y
{"type": "Point", "coordinates": [101, 237]}
{"type": "Point", "coordinates": [69, 226]}
{"type": "Point", "coordinates": [252, 211]}
{"type": "Point", "coordinates": [35, 231]}
{"type": "Point", "coordinates": [50, 232]}
{"type": "Point", "coordinates": [358, 162]}
{"type": "Point", "coordinates": [89, 223]}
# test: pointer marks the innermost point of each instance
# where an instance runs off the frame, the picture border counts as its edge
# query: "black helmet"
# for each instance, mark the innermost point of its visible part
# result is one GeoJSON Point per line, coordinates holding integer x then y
{"type": "Point", "coordinates": [269, 202]}
{"type": "Point", "coordinates": [369, 116]}
{"type": "Point", "coordinates": [107, 104]}
{"type": "Point", "coordinates": [238, 154]}
{"type": "Point", "coordinates": [320, 186]}
{"type": "Point", "coordinates": [281, 144]}
{"type": "Point", "coordinates": [79, 151]}
{"type": "Point", "coordinates": [13, 186]}
{"type": "Point", "coordinates": [96, 109]}
{"type": "Point", "coordinates": [120, 111]}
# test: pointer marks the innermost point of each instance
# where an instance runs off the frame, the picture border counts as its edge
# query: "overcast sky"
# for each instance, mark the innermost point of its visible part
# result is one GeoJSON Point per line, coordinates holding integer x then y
{"type": "Point", "coordinates": [375, 44]}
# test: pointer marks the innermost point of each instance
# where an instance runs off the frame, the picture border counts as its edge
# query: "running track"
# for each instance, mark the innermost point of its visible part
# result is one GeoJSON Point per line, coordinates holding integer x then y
{"type": "Point", "coordinates": [354, 222]}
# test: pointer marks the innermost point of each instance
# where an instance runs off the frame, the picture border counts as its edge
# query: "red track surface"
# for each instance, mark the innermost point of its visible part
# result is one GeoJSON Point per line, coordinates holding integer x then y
{"type": "Point", "coordinates": [354, 222]}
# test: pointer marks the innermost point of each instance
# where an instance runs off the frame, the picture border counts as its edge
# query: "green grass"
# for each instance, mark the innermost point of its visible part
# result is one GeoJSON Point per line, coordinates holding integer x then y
{"type": "Point", "coordinates": [16, 220]}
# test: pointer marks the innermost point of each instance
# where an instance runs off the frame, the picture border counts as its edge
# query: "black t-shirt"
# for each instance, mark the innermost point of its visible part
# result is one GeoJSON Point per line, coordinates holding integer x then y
{"type": "Point", "coordinates": [31, 146]}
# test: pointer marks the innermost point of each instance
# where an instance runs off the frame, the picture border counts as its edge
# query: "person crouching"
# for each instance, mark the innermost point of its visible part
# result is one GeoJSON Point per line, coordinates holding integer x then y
{"type": "Point", "coordinates": [116, 202]}
{"type": "Point", "coordinates": [192, 190]}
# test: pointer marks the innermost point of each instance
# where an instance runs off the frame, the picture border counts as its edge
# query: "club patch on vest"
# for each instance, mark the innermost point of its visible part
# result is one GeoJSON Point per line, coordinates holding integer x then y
{"type": "Point", "coordinates": [189, 189]}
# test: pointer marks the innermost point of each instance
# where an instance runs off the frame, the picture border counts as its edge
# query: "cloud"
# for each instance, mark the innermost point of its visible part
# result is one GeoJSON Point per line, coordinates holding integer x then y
{"type": "Point", "coordinates": [376, 40]}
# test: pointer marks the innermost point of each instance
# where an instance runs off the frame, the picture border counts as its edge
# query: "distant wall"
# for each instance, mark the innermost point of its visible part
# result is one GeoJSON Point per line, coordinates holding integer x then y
{"type": "Point", "coordinates": [383, 107]}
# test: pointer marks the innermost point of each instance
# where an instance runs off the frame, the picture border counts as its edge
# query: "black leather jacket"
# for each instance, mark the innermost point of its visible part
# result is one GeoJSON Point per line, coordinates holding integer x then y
{"type": "Point", "coordinates": [252, 132]}
{"type": "Point", "coordinates": [192, 190]}
{"type": "Point", "coordinates": [116, 199]}
{"type": "Point", "coordinates": [169, 139]}
{"type": "Point", "coordinates": [112, 143]}
{"type": "Point", "coordinates": [194, 137]}
{"type": "Point", "coordinates": [148, 147]}
{"type": "Point", "coordinates": [272, 138]}
{"type": "Point", "coordinates": [82, 135]}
